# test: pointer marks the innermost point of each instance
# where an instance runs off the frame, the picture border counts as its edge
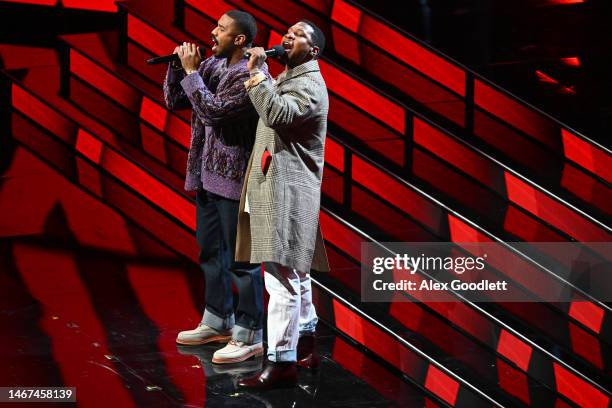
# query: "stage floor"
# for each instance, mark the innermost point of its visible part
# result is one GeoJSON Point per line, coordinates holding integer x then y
{"type": "Point", "coordinates": [105, 323]}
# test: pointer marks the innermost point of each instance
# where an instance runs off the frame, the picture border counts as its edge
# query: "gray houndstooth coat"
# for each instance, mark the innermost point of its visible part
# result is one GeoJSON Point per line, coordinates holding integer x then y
{"type": "Point", "coordinates": [282, 224]}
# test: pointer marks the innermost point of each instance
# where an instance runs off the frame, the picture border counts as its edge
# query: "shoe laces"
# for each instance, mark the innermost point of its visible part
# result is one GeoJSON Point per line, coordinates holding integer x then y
{"type": "Point", "coordinates": [236, 343]}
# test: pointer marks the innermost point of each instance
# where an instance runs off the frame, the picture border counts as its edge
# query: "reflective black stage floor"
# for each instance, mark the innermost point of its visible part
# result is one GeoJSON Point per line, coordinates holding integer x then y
{"type": "Point", "coordinates": [105, 322]}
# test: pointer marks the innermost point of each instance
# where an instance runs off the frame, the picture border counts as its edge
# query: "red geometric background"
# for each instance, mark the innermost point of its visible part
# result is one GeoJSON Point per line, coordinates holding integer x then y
{"type": "Point", "coordinates": [97, 230]}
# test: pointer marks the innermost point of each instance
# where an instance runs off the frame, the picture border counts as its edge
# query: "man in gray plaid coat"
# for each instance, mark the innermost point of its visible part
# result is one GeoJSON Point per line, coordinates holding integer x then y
{"type": "Point", "coordinates": [278, 221]}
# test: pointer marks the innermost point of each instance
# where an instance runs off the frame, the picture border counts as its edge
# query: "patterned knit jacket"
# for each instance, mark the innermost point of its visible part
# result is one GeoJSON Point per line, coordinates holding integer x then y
{"type": "Point", "coordinates": [223, 123]}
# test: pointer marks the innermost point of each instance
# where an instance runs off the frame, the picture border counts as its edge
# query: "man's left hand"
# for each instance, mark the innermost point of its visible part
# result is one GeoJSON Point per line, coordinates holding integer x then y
{"type": "Point", "coordinates": [189, 56]}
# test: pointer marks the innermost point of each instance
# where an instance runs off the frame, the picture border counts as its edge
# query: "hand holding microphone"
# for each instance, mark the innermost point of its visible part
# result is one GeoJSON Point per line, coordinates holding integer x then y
{"type": "Point", "coordinates": [174, 58]}
{"type": "Point", "coordinates": [258, 55]}
{"type": "Point", "coordinates": [189, 56]}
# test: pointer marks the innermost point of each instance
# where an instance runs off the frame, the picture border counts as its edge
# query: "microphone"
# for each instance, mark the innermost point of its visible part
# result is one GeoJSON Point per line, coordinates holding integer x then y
{"type": "Point", "coordinates": [169, 58]}
{"type": "Point", "coordinates": [276, 51]}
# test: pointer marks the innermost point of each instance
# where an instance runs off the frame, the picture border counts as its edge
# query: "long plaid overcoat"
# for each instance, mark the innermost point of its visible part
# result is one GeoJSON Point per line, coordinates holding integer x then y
{"type": "Point", "coordinates": [282, 224]}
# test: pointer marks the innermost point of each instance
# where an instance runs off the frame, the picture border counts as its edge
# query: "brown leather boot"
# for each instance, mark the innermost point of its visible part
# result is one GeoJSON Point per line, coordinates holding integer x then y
{"type": "Point", "coordinates": [307, 356]}
{"type": "Point", "coordinates": [274, 375]}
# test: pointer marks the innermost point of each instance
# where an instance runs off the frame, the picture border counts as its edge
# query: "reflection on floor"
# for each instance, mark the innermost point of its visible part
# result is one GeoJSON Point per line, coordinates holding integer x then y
{"type": "Point", "coordinates": [104, 319]}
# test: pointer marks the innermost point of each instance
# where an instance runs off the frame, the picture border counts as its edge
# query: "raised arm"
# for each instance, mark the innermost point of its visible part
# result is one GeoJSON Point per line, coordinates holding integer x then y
{"type": "Point", "coordinates": [174, 96]}
{"type": "Point", "coordinates": [212, 108]}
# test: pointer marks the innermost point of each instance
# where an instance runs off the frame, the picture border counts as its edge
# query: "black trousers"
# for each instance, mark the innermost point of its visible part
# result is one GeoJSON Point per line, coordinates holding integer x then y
{"type": "Point", "coordinates": [216, 227]}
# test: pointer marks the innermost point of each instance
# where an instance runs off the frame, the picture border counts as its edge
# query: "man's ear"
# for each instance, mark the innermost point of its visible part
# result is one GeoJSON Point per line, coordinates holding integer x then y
{"type": "Point", "coordinates": [240, 40]}
{"type": "Point", "coordinates": [314, 51]}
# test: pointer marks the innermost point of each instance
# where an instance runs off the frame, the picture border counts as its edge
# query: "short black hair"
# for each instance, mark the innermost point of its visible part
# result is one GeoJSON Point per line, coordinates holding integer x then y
{"type": "Point", "coordinates": [245, 23]}
{"type": "Point", "coordinates": [318, 38]}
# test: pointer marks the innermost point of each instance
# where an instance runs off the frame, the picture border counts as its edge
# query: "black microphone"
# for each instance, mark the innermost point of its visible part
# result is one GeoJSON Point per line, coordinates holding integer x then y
{"type": "Point", "coordinates": [276, 51]}
{"type": "Point", "coordinates": [169, 58]}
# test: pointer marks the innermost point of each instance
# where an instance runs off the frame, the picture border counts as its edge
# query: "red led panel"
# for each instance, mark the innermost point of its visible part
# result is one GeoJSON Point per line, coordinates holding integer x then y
{"type": "Point", "coordinates": [552, 212]}
{"type": "Point", "coordinates": [588, 156]}
{"type": "Point", "coordinates": [42, 114]}
{"type": "Point", "coordinates": [514, 349]}
{"type": "Point", "coordinates": [179, 130]}
{"type": "Point", "coordinates": [148, 37]}
{"type": "Point", "coordinates": [586, 345]}
{"type": "Point", "coordinates": [333, 185]}
{"type": "Point", "coordinates": [396, 193]}
{"type": "Point", "coordinates": [586, 188]}
{"type": "Point", "coordinates": [465, 317]}
{"type": "Point", "coordinates": [212, 8]}
{"type": "Point", "coordinates": [334, 154]}
{"type": "Point", "coordinates": [200, 27]}
{"type": "Point", "coordinates": [149, 187]}
{"type": "Point", "coordinates": [274, 39]}
{"type": "Point", "coordinates": [320, 5]}
{"type": "Point", "coordinates": [578, 390]}
{"type": "Point", "coordinates": [510, 142]}
{"type": "Point", "coordinates": [153, 113]}
{"type": "Point", "coordinates": [528, 275]}
{"type": "Point", "coordinates": [452, 183]}
{"type": "Point", "coordinates": [18, 56]}
{"type": "Point", "coordinates": [461, 232]}
{"type": "Point", "coordinates": [513, 381]}
{"type": "Point", "coordinates": [341, 236]}
{"type": "Point", "coordinates": [89, 146]}
{"type": "Point", "coordinates": [346, 45]}
{"type": "Point", "coordinates": [89, 177]}
{"type": "Point", "coordinates": [154, 144]}
{"type": "Point", "coordinates": [104, 81]}
{"type": "Point", "coordinates": [285, 13]}
{"type": "Point", "coordinates": [588, 314]}
{"type": "Point", "coordinates": [542, 77]}
{"type": "Point", "coordinates": [441, 384]}
{"type": "Point", "coordinates": [457, 154]}
{"type": "Point", "coordinates": [563, 2]}
{"type": "Point", "coordinates": [413, 54]}
{"type": "Point", "coordinates": [376, 340]}
{"type": "Point", "coordinates": [571, 61]}
{"type": "Point", "coordinates": [411, 82]}
{"type": "Point", "coordinates": [142, 213]}
{"type": "Point", "coordinates": [275, 67]}
{"type": "Point", "coordinates": [515, 113]}
{"type": "Point", "coordinates": [363, 97]}
{"type": "Point", "coordinates": [526, 228]}
{"type": "Point", "coordinates": [407, 313]}
{"type": "Point", "coordinates": [357, 123]}
{"type": "Point", "coordinates": [390, 220]}
{"type": "Point", "coordinates": [97, 5]}
{"type": "Point", "coordinates": [430, 404]}
{"type": "Point", "coordinates": [346, 15]}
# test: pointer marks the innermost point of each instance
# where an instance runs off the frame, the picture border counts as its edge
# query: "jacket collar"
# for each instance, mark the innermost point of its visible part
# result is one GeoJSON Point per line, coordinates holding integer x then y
{"type": "Point", "coordinates": [301, 69]}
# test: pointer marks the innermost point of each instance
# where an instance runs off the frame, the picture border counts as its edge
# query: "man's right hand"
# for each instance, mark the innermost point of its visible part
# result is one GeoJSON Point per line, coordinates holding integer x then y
{"type": "Point", "coordinates": [258, 56]}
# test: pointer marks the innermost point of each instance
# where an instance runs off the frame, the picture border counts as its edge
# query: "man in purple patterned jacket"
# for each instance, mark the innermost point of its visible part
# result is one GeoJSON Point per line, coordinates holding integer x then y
{"type": "Point", "coordinates": [223, 130]}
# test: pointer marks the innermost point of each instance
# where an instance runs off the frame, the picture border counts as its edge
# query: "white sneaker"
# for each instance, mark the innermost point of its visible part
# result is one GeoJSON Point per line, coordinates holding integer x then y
{"type": "Point", "coordinates": [203, 335]}
{"type": "Point", "coordinates": [236, 352]}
